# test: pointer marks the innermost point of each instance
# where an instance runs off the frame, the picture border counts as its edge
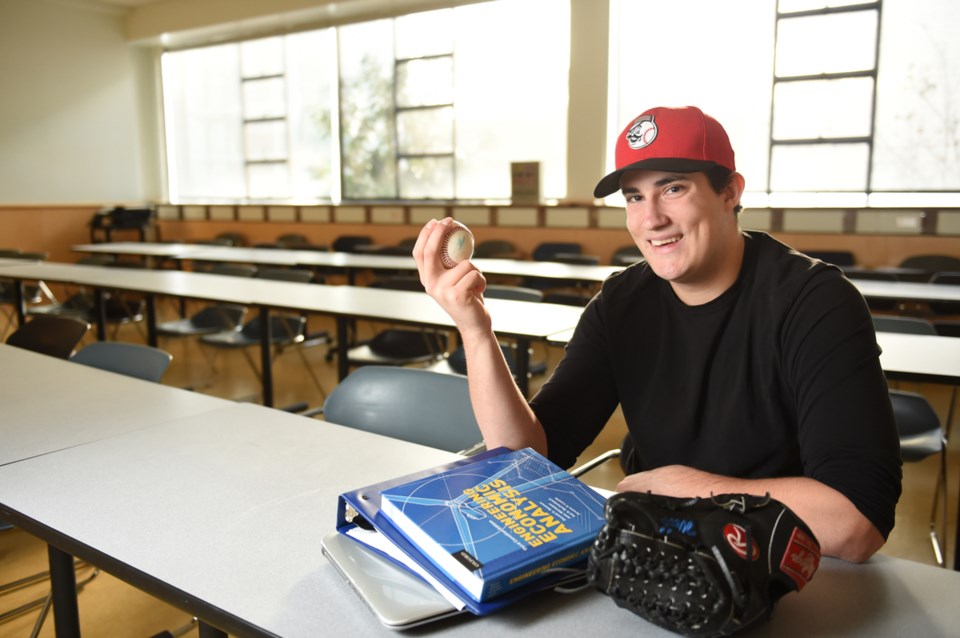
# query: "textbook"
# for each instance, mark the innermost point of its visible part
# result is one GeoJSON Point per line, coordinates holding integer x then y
{"type": "Point", "coordinates": [496, 523]}
{"type": "Point", "coordinates": [359, 518]}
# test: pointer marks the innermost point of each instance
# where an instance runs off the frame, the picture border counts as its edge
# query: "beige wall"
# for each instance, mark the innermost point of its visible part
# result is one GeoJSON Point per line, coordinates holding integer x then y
{"type": "Point", "coordinates": [70, 124]}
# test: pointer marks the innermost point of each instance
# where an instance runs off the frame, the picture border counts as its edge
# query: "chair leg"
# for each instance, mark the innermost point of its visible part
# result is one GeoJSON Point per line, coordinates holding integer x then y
{"type": "Point", "coordinates": [313, 375]}
{"type": "Point", "coordinates": [48, 601]}
{"type": "Point", "coordinates": [42, 603]}
{"type": "Point", "coordinates": [940, 505]}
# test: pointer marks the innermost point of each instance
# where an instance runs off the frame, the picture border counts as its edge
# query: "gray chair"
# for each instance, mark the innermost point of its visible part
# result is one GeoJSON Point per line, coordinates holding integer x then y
{"type": "Point", "coordinates": [921, 436]}
{"type": "Point", "coordinates": [53, 335]}
{"type": "Point", "coordinates": [932, 263]}
{"type": "Point", "coordinates": [399, 346]}
{"type": "Point", "coordinates": [351, 243]}
{"type": "Point", "coordinates": [420, 406]}
{"type": "Point", "coordinates": [497, 249]}
{"type": "Point", "coordinates": [903, 325]}
{"type": "Point", "coordinates": [626, 255]}
{"type": "Point", "coordinates": [33, 293]}
{"type": "Point", "coordinates": [286, 330]}
{"type": "Point", "coordinates": [120, 308]}
{"type": "Point", "coordinates": [131, 359]}
{"type": "Point", "coordinates": [836, 257]}
{"type": "Point", "coordinates": [209, 320]}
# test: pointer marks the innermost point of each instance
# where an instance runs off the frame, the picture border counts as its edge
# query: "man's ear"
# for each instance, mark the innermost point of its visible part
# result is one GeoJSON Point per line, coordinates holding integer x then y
{"type": "Point", "coordinates": [733, 191]}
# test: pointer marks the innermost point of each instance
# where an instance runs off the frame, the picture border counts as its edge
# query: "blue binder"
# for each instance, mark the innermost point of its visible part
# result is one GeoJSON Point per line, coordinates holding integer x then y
{"type": "Point", "coordinates": [361, 508]}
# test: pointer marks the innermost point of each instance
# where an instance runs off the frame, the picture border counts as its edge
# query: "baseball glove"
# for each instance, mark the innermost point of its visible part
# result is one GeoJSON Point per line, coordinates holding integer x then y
{"type": "Point", "coordinates": [701, 566]}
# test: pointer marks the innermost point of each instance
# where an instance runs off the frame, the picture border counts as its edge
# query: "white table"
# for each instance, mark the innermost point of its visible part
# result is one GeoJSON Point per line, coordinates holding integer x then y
{"type": "Point", "coordinates": [221, 514]}
{"type": "Point", "coordinates": [905, 290]}
{"type": "Point", "coordinates": [908, 357]}
{"type": "Point", "coordinates": [349, 262]}
{"type": "Point", "coordinates": [47, 404]}
{"type": "Point", "coordinates": [519, 320]}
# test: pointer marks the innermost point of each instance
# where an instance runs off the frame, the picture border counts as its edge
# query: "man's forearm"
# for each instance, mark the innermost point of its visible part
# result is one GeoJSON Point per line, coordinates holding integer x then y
{"type": "Point", "coordinates": [503, 414]}
{"type": "Point", "coordinates": [842, 530]}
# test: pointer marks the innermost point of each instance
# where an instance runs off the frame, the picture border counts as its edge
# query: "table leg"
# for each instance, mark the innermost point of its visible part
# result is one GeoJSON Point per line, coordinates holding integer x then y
{"type": "Point", "coordinates": [266, 371]}
{"type": "Point", "coordinates": [956, 540]}
{"type": "Point", "coordinates": [100, 307]}
{"type": "Point", "coordinates": [63, 583]}
{"type": "Point", "coordinates": [343, 346]}
{"type": "Point", "coordinates": [152, 320]}
{"type": "Point", "coordinates": [19, 301]}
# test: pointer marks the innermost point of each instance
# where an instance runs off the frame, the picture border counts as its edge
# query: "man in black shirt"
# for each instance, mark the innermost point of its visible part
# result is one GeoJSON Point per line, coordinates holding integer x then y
{"type": "Point", "coordinates": [740, 365]}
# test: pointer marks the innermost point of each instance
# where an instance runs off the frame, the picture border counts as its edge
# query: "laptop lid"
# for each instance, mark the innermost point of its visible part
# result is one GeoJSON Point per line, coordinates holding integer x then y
{"type": "Point", "coordinates": [398, 599]}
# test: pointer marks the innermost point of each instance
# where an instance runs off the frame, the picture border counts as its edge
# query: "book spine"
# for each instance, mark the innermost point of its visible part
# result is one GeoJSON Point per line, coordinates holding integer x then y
{"type": "Point", "coordinates": [519, 575]}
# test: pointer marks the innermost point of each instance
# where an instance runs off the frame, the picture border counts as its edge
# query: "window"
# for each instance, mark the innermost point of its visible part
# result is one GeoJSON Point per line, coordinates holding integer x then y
{"type": "Point", "coordinates": [863, 105]}
{"type": "Point", "coordinates": [434, 105]}
{"type": "Point", "coordinates": [715, 55]}
{"type": "Point", "coordinates": [251, 121]}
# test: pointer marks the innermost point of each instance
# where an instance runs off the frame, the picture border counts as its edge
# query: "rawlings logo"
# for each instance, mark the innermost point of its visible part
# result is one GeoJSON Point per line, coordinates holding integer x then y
{"type": "Point", "coordinates": [737, 539]}
{"type": "Point", "coordinates": [801, 558]}
{"type": "Point", "coordinates": [642, 133]}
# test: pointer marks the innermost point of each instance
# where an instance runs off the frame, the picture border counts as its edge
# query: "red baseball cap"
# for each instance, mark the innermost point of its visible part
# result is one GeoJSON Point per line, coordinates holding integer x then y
{"type": "Point", "coordinates": [681, 140]}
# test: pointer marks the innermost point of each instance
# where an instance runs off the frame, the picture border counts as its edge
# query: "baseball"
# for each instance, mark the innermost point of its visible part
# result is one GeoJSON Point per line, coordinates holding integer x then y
{"type": "Point", "coordinates": [456, 245]}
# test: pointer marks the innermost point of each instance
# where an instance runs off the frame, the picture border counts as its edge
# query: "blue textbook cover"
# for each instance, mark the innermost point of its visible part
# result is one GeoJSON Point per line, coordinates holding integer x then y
{"type": "Point", "coordinates": [498, 523]}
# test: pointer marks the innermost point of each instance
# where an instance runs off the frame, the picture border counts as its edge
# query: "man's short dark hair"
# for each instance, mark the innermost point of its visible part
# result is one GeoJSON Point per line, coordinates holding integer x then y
{"type": "Point", "coordinates": [719, 177]}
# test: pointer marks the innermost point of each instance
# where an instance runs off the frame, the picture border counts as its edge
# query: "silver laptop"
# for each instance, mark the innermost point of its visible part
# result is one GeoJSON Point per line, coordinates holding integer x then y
{"type": "Point", "coordinates": [397, 598]}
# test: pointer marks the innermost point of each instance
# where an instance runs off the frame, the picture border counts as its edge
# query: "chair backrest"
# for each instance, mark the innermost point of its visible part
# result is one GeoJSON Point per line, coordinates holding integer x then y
{"type": "Point", "coordinates": [233, 270]}
{"type": "Point", "coordinates": [871, 275]}
{"type": "Point", "coordinates": [286, 274]}
{"type": "Point", "coordinates": [946, 277]}
{"type": "Point", "coordinates": [401, 343]}
{"type": "Point", "coordinates": [284, 328]}
{"type": "Point", "coordinates": [494, 248]}
{"type": "Point", "coordinates": [411, 404]}
{"type": "Point", "coordinates": [97, 260]}
{"type": "Point", "coordinates": [835, 257]}
{"type": "Point", "coordinates": [234, 239]}
{"type": "Point", "coordinates": [917, 425]}
{"type": "Point", "coordinates": [131, 359]}
{"type": "Point", "coordinates": [906, 325]}
{"type": "Point", "coordinates": [220, 316]}
{"type": "Point", "coordinates": [399, 282]}
{"type": "Point", "coordinates": [517, 293]}
{"type": "Point", "coordinates": [932, 263]}
{"type": "Point", "coordinates": [292, 240]}
{"type": "Point", "coordinates": [626, 255]}
{"type": "Point", "coordinates": [547, 250]}
{"type": "Point", "coordinates": [349, 243]}
{"type": "Point", "coordinates": [572, 258]}
{"type": "Point", "coordinates": [54, 335]}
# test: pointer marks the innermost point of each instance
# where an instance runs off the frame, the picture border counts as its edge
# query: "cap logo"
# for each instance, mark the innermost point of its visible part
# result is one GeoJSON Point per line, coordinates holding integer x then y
{"type": "Point", "coordinates": [642, 133]}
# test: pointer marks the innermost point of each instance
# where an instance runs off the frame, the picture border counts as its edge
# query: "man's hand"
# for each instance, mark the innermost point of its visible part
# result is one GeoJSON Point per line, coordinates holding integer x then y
{"type": "Point", "coordinates": [458, 290]}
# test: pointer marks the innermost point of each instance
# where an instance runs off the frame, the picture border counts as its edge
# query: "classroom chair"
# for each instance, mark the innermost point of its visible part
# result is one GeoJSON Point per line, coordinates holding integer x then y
{"type": "Point", "coordinates": [52, 335]}
{"type": "Point", "coordinates": [411, 404]}
{"type": "Point", "coordinates": [922, 436]}
{"type": "Point", "coordinates": [131, 359]}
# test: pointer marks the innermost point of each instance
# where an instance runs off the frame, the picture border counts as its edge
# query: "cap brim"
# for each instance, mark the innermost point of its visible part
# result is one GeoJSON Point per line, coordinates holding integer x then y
{"type": "Point", "coordinates": [611, 183]}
